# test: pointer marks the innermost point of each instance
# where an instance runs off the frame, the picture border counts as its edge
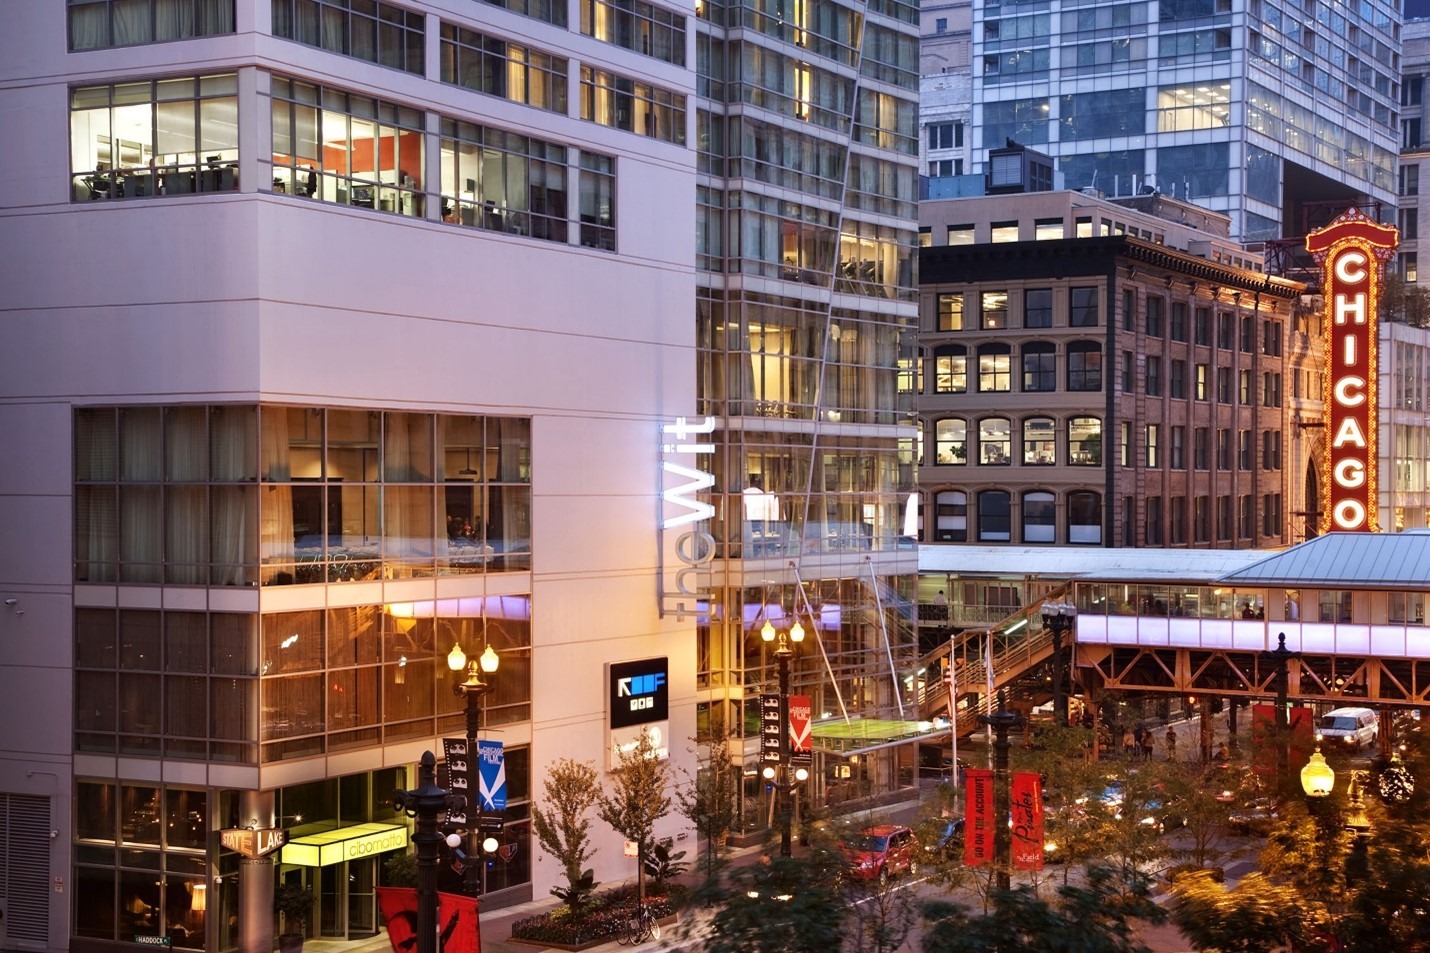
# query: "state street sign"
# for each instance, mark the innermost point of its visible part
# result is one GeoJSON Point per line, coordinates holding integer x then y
{"type": "Point", "coordinates": [253, 843]}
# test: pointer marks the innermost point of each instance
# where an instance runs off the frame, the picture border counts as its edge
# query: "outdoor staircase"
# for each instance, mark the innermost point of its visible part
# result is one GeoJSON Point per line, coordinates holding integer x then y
{"type": "Point", "coordinates": [1020, 642]}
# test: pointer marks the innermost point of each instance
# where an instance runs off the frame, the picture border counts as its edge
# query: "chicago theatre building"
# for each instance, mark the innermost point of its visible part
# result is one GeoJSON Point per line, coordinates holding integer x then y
{"type": "Point", "coordinates": [343, 333]}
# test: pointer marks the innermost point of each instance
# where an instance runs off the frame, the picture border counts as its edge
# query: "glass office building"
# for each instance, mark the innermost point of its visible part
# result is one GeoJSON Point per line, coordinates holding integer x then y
{"type": "Point", "coordinates": [1251, 107]}
{"type": "Point", "coordinates": [807, 144]}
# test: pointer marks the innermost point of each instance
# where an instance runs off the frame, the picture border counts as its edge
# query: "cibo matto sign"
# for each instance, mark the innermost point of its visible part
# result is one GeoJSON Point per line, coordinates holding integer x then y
{"type": "Point", "coordinates": [1352, 252]}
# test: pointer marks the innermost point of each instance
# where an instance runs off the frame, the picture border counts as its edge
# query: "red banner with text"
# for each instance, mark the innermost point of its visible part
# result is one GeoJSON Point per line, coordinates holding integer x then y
{"type": "Point", "coordinates": [1026, 813]}
{"type": "Point", "coordinates": [801, 730]}
{"type": "Point", "coordinates": [457, 924]}
{"type": "Point", "coordinates": [978, 817]}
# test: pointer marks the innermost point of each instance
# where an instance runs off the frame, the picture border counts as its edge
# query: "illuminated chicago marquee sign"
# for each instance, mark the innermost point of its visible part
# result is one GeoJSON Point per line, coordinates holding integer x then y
{"type": "Point", "coordinates": [1352, 252]}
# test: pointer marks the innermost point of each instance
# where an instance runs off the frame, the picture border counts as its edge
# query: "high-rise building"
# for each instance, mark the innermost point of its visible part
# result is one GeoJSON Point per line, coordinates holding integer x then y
{"type": "Point", "coordinates": [1256, 108]}
{"type": "Point", "coordinates": [341, 333]}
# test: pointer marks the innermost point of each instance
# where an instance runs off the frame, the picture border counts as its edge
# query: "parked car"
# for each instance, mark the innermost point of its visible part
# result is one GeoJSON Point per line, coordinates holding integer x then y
{"type": "Point", "coordinates": [1255, 819]}
{"type": "Point", "coordinates": [880, 852]}
{"type": "Point", "coordinates": [947, 840]}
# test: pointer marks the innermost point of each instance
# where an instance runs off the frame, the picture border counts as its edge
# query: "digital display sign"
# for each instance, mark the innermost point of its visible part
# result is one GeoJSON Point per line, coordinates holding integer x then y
{"type": "Point", "coordinates": [639, 692]}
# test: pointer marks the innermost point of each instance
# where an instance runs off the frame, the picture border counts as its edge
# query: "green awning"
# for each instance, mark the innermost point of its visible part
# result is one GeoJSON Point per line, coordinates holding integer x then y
{"type": "Point", "coordinates": [866, 734]}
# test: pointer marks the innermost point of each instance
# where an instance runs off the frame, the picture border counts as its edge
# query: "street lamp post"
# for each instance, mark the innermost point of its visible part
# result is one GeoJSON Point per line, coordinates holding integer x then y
{"type": "Point", "coordinates": [1058, 619]}
{"type": "Point", "coordinates": [1001, 722]}
{"type": "Point", "coordinates": [425, 802]}
{"type": "Point", "coordinates": [1280, 657]}
{"type": "Point", "coordinates": [472, 690]}
{"type": "Point", "coordinates": [780, 777]}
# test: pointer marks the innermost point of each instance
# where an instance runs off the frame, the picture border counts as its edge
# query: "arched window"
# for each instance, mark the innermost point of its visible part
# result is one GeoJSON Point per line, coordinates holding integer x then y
{"type": "Point", "coordinates": [1040, 367]}
{"type": "Point", "coordinates": [951, 517]}
{"type": "Point", "coordinates": [1085, 441]}
{"type": "Point", "coordinates": [1085, 366]}
{"type": "Point", "coordinates": [995, 518]}
{"type": "Point", "coordinates": [950, 369]}
{"type": "Point", "coordinates": [951, 441]}
{"type": "Point", "coordinates": [995, 368]}
{"type": "Point", "coordinates": [1039, 517]}
{"type": "Point", "coordinates": [1084, 517]}
{"type": "Point", "coordinates": [1040, 442]}
{"type": "Point", "coordinates": [995, 441]}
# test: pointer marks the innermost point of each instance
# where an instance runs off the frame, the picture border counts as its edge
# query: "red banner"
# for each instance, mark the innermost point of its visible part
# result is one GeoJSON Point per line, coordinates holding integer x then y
{"type": "Point", "coordinates": [800, 729]}
{"type": "Point", "coordinates": [978, 817]}
{"type": "Point", "coordinates": [1264, 744]}
{"type": "Point", "coordinates": [1026, 811]}
{"type": "Point", "coordinates": [457, 924]}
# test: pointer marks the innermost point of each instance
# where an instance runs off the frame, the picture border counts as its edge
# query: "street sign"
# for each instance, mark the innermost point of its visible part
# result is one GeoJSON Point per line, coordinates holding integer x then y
{"type": "Point", "coordinates": [253, 843]}
{"type": "Point", "coordinates": [771, 731]}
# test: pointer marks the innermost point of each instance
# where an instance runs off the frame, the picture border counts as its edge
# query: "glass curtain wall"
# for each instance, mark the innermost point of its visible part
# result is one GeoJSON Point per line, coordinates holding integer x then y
{"type": "Point", "coordinates": [801, 356]}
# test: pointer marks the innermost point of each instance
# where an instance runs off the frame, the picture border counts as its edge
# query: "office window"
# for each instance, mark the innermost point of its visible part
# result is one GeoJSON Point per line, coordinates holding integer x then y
{"type": "Point", "coordinates": [1124, 443]}
{"type": "Point", "coordinates": [1038, 308]}
{"type": "Point", "coordinates": [1271, 338]}
{"type": "Point", "coordinates": [951, 441]}
{"type": "Point", "coordinates": [1129, 512]}
{"type": "Point", "coordinates": [620, 102]}
{"type": "Point", "coordinates": [1177, 521]}
{"type": "Point", "coordinates": [1271, 449]}
{"type": "Point", "coordinates": [1154, 376]}
{"type": "Point", "coordinates": [1177, 380]}
{"type": "Point", "coordinates": [1246, 515]}
{"type": "Point", "coordinates": [1177, 326]}
{"type": "Point", "coordinates": [1152, 525]}
{"type": "Point", "coordinates": [1177, 458]}
{"type": "Point", "coordinates": [1248, 334]}
{"type": "Point", "coordinates": [376, 32]}
{"type": "Point", "coordinates": [925, 236]}
{"type": "Point", "coordinates": [950, 369]}
{"type": "Point", "coordinates": [945, 135]}
{"type": "Point", "coordinates": [1225, 331]}
{"type": "Point", "coordinates": [995, 368]}
{"type": "Point", "coordinates": [951, 517]}
{"type": "Point", "coordinates": [1040, 370]}
{"type": "Point", "coordinates": [995, 516]}
{"type": "Point", "coordinates": [1201, 448]}
{"type": "Point", "coordinates": [1153, 439]}
{"type": "Point", "coordinates": [1154, 316]}
{"type": "Point", "coordinates": [1129, 309]}
{"type": "Point", "coordinates": [1001, 232]}
{"type": "Point", "coordinates": [1244, 387]}
{"type": "Point", "coordinates": [1040, 517]}
{"type": "Point", "coordinates": [1082, 308]}
{"type": "Point", "coordinates": [1409, 178]}
{"type": "Point", "coordinates": [950, 312]}
{"type": "Point", "coordinates": [1040, 441]}
{"type": "Point", "coordinates": [1047, 229]}
{"type": "Point", "coordinates": [1271, 514]}
{"type": "Point", "coordinates": [1084, 517]}
{"type": "Point", "coordinates": [1201, 520]}
{"type": "Point", "coordinates": [505, 182]}
{"type": "Point", "coordinates": [1083, 226]}
{"type": "Point", "coordinates": [995, 441]}
{"type": "Point", "coordinates": [1129, 372]}
{"type": "Point", "coordinates": [1223, 518]}
{"type": "Point", "coordinates": [1223, 448]}
{"type": "Point", "coordinates": [1243, 449]}
{"type": "Point", "coordinates": [636, 25]}
{"type": "Point", "coordinates": [1410, 266]}
{"type": "Point", "coordinates": [1202, 327]}
{"type": "Point", "coordinates": [598, 201]}
{"type": "Point", "coordinates": [1085, 441]}
{"type": "Point", "coordinates": [97, 24]}
{"type": "Point", "coordinates": [1270, 390]}
{"type": "Point", "coordinates": [171, 137]}
{"type": "Point", "coordinates": [960, 235]}
{"type": "Point", "coordinates": [993, 310]}
{"type": "Point", "coordinates": [1223, 385]}
{"type": "Point", "coordinates": [1084, 366]}
{"type": "Point", "coordinates": [489, 64]}
{"type": "Point", "coordinates": [942, 168]}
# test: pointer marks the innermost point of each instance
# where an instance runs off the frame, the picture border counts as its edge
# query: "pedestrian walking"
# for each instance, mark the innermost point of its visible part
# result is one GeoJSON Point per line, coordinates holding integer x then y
{"type": "Point", "coordinates": [1147, 744]}
{"type": "Point", "coordinates": [1130, 743]}
{"type": "Point", "coordinates": [1171, 743]}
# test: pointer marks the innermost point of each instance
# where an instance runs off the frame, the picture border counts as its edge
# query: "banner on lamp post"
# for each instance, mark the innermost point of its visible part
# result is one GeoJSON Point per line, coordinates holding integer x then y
{"type": "Point", "coordinates": [801, 730]}
{"type": "Point", "coordinates": [979, 820]}
{"type": "Point", "coordinates": [1026, 807]}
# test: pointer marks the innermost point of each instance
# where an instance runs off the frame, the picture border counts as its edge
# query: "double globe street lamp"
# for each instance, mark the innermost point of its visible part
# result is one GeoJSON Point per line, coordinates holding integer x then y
{"type": "Point", "coordinates": [779, 775]}
{"type": "Point", "coordinates": [473, 689]}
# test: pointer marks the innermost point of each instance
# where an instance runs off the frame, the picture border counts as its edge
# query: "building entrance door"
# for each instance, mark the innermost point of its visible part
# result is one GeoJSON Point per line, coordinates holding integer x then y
{"type": "Point", "coordinates": [346, 899]}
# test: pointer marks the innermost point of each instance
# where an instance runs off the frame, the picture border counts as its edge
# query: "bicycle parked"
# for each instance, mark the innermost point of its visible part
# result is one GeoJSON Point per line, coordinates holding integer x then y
{"type": "Point", "coordinates": [640, 927]}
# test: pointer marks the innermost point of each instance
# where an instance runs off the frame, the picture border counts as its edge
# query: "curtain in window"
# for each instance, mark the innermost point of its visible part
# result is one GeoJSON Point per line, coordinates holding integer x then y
{"type": "Point", "coordinates": [96, 533]}
{"type": "Point", "coordinates": [335, 29]}
{"type": "Point", "coordinates": [275, 531]}
{"type": "Point", "coordinates": [131, 22]}
{"type": "Point", "coordinates": [140, 517]}
{"type": "Point", "coordinates": [215, 17]}
{"type": "Point", "coordinates": [89, 26]}
{"type": "Point", "coordinates": [173, 19]}
{"type": "Point", "coordinates": [307, 27]}
{"type": "Point", "coordinates": [408, 526]}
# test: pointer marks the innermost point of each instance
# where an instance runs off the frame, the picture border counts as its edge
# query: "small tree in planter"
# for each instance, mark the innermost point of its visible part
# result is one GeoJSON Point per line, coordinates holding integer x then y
{"type": "Point", "coordinates": [563, 829]}
{"type": "Point", "coordinates": [641, 798]}
{"type": "Point", "coordinates": [710, 799]}
{"type": "Point", "coordinates": [295, 904]}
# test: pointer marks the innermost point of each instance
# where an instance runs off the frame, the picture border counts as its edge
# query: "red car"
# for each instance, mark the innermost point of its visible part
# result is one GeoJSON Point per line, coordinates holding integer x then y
{"type": "Point", "coordinates": [877, 853]}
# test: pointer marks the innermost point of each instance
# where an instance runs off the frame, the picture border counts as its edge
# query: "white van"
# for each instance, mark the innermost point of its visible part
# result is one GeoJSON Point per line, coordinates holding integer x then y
{"type": "Point", "coordinates": [1349, 728]}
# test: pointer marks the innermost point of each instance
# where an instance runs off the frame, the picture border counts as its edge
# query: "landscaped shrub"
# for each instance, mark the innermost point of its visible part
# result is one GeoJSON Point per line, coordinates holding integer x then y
{"type": "Point", "coordinates": [604, 918]}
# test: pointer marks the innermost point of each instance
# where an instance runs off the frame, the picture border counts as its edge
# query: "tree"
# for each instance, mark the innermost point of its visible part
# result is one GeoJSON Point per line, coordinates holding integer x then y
{"type": "Point", "coordinates": [789, 905]}
{"type": "Point", "coordinates": [1096, 916]}
{"type": "Point", "coordinates": [1256, 916]}
{"type": "Point", "coordinates": [710, 799]}
{"type": "Point", "coordinates": [882, 917]}
{"type": "Point", "coordinates": [640, 798]}
{"type": "Point", "coordinates": [563, 829]}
